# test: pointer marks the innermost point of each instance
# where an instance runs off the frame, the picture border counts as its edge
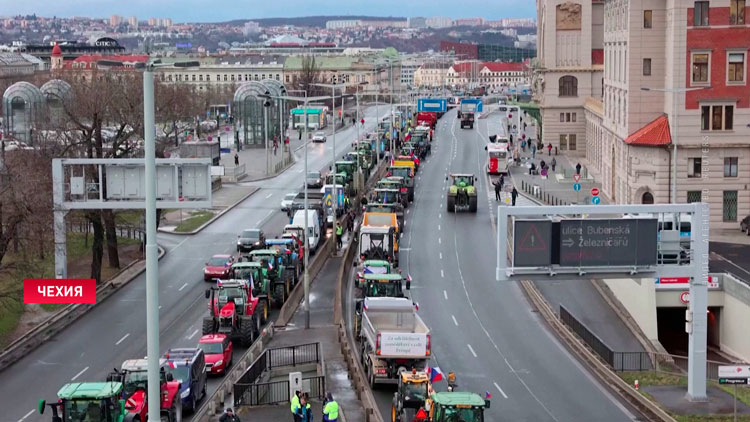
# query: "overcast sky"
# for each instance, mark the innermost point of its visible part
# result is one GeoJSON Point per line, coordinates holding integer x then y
{"type": "Point", "coordinates": [222, 10]}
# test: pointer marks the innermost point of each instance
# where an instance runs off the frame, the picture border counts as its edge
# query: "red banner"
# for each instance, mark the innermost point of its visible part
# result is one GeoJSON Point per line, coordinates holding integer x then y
{"type": "Point", "coordinates": [50, 290]}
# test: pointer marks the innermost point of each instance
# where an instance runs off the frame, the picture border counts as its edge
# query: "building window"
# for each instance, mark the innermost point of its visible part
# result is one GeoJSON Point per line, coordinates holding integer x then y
{"type": "Point", "coordinates": [717, 117]}
{"type": "Point", "coordinates": [730, 166]}
{"type": "Point", "coordinates": [693, 196]}
{"type": "Point", "coordinates": [568, 86]}
{"type": "Point", "coordinates": [729, 205]}
{"type": "Point", "coordinates": [200, 78]}
{"type": "Point", "coordinates": [646, 67]}
{"type": "Point", "coordinates": [563, 142]}
{"type": "Point", "coordinates": [572, 141]}
{"type": "Point", "coordinates": [694, 167]}
{"type": "Point", "coordinates": [736, 67]}
{"type": "Point", "coordinates": [225, 77]}
{"type": "Point", "coordinates": [736, 12]}
{"type": "Point", "coordinates": [700, 13]}
{"type": "Point", "coordinates": [700, 68]}
{"type": "Point", "coordinates": [647, 15]}
{"type": "Point", "coordinates": [562, 117]}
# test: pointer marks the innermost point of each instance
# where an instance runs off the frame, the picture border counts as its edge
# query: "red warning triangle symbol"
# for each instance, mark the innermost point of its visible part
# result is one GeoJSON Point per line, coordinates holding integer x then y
{"type": "Point", "coordinates": [532, 241]}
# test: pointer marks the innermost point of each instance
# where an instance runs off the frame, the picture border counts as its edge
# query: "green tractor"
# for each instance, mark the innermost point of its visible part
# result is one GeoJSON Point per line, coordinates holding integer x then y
{"type": "Point", "coordinates": [462, 194]}
{"type": "Point", "coordinates": [280, 280]}
{"type": "Point", "coordinates": [457, 406]}
{"type": "Point", "coordinates": [90, 401]}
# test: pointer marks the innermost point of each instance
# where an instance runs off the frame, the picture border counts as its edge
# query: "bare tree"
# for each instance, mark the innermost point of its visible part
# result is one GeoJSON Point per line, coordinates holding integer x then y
{"type": "Point", "coordinates": [309, 74]}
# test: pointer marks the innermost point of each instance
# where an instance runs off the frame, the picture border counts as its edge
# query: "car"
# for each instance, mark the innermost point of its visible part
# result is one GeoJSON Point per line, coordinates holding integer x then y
{"type": "Point", "coordinates": [287, 201]}
{"type": "Point", "coordinates": [745, 225]}
{"type": "Point", "coordinates": [250, 240]}
{"type": "Point", "coordinates": [314, 179]}
{"type": "Point", "coordinates": [319, 137]}
{"type": "Point", "coordinates": [218, 267]}
{"type": "Point", "coordinates": [188, 366]}
{"type": "Point", "coordinates": [219, 352]}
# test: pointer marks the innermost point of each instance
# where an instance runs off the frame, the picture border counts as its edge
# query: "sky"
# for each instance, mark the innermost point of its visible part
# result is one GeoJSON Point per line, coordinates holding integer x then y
{"type": "Point", "coordinates": [223, 10]}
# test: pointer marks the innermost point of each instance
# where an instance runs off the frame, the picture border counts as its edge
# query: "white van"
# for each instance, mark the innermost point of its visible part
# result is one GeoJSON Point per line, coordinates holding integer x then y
{"type": "Point", "coordinates": [313, 227]}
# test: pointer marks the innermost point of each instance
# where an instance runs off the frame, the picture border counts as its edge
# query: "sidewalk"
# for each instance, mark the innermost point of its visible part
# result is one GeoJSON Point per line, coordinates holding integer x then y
{"type": "Point", "coordinates": [223, 200]}
{"type": "Point", "coordinates": [322, 329]}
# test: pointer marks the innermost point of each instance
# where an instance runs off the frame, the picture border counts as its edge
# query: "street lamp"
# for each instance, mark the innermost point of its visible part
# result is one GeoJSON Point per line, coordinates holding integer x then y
{"type": "Point", "coordinates": [675, 126]}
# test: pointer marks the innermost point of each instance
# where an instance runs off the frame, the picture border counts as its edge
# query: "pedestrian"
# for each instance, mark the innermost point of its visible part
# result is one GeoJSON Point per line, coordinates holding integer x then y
{"type": "Point", "coordinates": [330, 409]}
{"type": "Point", "coordinates": [542, 165]}
{"type": "Point", "coordinates": [295, 405]}
{"type": "Point", "coordinates": [300, 134]}
{"type": "Point", "coordinates": [304, 413]}
{"type": "Point", "coordinates": [236, 160]}
{"type": "Point", "coordinates": [339, 232]}
{"type": "Point", "coordinates": [523, 146]}
{"type": "Point", "coordinates": [350, 222]}
{"type": "Point", "coordinates": [553, 163]}
{"type": "Point", "coordinates": [549, 149]}
{"type": "Point", "coordinates": [510, 139]}
{"type": "Point", "coordinates": [229, 416]}
{"type": "Point", "coordinates": [532, 169]}
{"type": "Point", "coordinates": [533, 150]}
{"type": "Point", "coordinates": [514, 195]}
{"type": "Point", "coordinates": [498, 187]}
{"type": "Point", "coordinates": [578, 168]}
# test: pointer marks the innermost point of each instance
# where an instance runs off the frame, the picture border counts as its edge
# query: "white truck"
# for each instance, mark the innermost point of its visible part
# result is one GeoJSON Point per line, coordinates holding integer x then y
{"type": "Point", "coordinates": [393, 339]}
{"type": "Point", "coordinates": [379, 242]}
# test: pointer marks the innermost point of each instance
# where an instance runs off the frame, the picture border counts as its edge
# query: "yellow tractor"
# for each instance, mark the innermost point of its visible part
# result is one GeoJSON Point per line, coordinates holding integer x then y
{"type": "Point", "coordinates": [413, 390]}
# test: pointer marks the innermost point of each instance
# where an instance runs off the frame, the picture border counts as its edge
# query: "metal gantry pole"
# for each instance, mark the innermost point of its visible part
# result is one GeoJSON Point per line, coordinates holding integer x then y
{"type": "Point", "coordinates": [698, 306]}
{"type": "Point", "coordinates": [152, 256]}
{"type": "Point", "coordinates": [307, 242]}
{"type": "Point", "coordinates": [674, 146]}
{"type": "Point", "coordinates": [334, 193]}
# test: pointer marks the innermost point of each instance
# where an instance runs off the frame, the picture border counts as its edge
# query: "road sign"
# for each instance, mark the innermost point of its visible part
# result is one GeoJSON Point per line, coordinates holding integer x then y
{"type": "Point", "coordinates": [594, 191]}
{"type": "Point", "coordinates": [607, 242]}
{"type": "Point", "coordinates": [735, 381]}
{"type": "Point", "coordinates": [577, 177]}
{"type": "Point", "coordinates": [734, 371]}
{"type": "Point", "coordinates": [531, 243]}
{"type": "Point", "coordinates": [596, 200]}
{"type": "Point", "coordinates": [577, 187]}
{"type": "Point", "coordinates": [685, 297]}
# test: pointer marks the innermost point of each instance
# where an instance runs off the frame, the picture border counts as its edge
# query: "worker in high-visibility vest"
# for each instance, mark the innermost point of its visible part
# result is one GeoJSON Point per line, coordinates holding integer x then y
{"type": "Point", "coordinates": [295, 405]}
{"type": "Point", "coordinates": [330, 409]}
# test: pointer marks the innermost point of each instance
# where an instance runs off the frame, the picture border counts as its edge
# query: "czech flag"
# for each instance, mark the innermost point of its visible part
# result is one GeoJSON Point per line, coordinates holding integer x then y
{"type": "Point", "coordinates": [170, 364]}
{"type": "Point", "coordinates": [435, 374]}
{"type": "Point", "coordinates": [270, 266]}
{"type": "Point", "coordinates": [487, 395]}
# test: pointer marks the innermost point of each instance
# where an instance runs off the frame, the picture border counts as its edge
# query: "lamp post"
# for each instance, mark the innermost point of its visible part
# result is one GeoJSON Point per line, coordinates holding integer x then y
{"type": "Point", "coordinates": [674, 120]}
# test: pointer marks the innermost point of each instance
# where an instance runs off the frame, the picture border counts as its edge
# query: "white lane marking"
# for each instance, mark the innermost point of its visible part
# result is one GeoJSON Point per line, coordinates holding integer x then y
{"type": "Point", "coordinates": [500, 390]}
{"type": "Point", "coordinates": [440, 240]}
{"type": "Point", "coordinates": [192, 334]}
{"type": "Point", "coordinates": [441, 256]}
{"type": "Point", "coordinates": [300, 170]}
{"type": "Point", "coordinates": [442, 274]}
{"type": "Point", "coordinates": [438, 226]}
{"type": "Point", "coordinates": [472, 350]}
{"type": "Point", "coordinates": [407, 211]}
{"type": "Point", "coordinates": [445, 294]}
{"type": "Point", "coordinates": [26, 415]}
{"type": "Point", "coordinates": [440, 215]}
{"type": "Point", "coordinates": [183, 286]}
{"type": "Point", "coordinates": [80, 373]}
{"type": "Point", "coordinates": [269, 195]}
{"type": "Point", "coordinates": [454, 320]}
{"type": "Point", "coordinates": [122, 339]}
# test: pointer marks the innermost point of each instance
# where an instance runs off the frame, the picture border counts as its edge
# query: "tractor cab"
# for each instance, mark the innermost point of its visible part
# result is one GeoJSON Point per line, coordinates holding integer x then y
{"type": "Point", "coordinates": [373, 266]}
{"type": "Point", "coordinates": [288, 251]}
{"type": "Point", "coordinates": [457, 406]}
{"type": "Point", "coordinates": [348, 168]}
{"type": "Point", "coordinates": [385, 285]}
{"type": "Point", "coordinates": [462, 194]}
{"type": "Point", "coordinates": [134, 378]}
{"type": "Point", "coordinates": [387, 196]}
{"type": "Point", "coordinates": [234, 311]}
{"type": "Point", "coordinates": [341, 179]}
{"type": "Point", "coordinates": [89, 401]}
{"type": "Point", "coordinates": [280, 280]}
{"type": "Point", "coordinates": [398, 184]}
{"type": "Point", "coordinates": [411, 394]}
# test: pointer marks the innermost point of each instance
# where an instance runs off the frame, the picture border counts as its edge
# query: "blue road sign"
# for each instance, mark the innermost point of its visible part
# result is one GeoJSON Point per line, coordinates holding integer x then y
{"type": "Point", "coordinates": [596, 200]}
{"type": "Point", "coordinates": [577, 187]}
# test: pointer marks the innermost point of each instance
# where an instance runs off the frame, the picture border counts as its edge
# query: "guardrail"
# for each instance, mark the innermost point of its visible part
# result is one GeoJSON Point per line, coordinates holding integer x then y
{"type": "Point", "coordinates": [277, 392]}
{"type": "Point", "coordinates": [596, 344]}
{"type": "Point", "coordinates": [295, 297]}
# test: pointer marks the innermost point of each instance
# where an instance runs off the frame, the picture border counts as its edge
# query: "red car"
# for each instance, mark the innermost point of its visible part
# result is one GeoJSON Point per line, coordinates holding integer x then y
{"type": "Point", "coordinates": [218, 351]}
{"type": "Point", "coordinates": [218, 267]}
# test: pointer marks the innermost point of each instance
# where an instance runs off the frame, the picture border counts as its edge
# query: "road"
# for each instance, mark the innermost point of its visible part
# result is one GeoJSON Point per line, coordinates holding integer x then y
{"type": "Point", "coordinates": [484, 331]}
{"type": "Point", "coordinates": [116, 330]}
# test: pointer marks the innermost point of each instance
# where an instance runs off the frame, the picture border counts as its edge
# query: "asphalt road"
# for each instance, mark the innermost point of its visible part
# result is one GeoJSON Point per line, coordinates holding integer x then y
{"type": "Point", "coordinates": [116, 330]}
{"type": "Point", "coordinates": [730, 258]}
{"type": "Point", "coordinates": [486, 332]}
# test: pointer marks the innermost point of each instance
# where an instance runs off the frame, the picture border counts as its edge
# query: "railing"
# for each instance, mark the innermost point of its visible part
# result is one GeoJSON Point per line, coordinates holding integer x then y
{"type": "Point", "coordinates": [596, 344]}
{"type": "Point", "coordinates": [130, 232]}
{"type": "Point", "coordinates": [537, 192]}
{"type": "Point", "coordinates": [255, 370]}
{"type": "Point", "coordinates": [293, 355]}
{"type": "Point", "coordinates": [270, 393]}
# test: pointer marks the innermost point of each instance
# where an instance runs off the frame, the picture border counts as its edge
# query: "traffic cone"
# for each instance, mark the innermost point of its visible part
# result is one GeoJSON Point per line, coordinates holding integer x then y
{"type": "Point", "coordinates": [636, 384]}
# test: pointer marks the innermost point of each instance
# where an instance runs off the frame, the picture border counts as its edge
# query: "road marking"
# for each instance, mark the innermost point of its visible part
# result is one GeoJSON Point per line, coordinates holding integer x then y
{"type": "Point", "coordinates": [445, 294]}
{"type": "Point", "coordinates": [159, 306]}
{"type": "Point", "coordinates": [407, 211]}
{"type": "Point", "coordinates": [438, 226]}
{"type": "Point", "coordinates": [440, 215]}
{"type": "Point", "coordinates": [442, 274]}
{"type": "Point", "coordinates": [472, 350]}
{"type": "Point", "coordinates": [441, 256]}
{"type": "Point", "coordinates": [456, 322]}
{"type": "Point", "coordinates": [80, 373]}
{"type": "Point", "coordinates": [269, 195]}
{"type": "Point", "coordinates": [183, 286]}
{"type": "Point", "coordinates": [500, 390]}
{"type": "Point", "coordinates": [122, 339]}
{"type": "Point", "coordinates": [440, 241]}
{"type": "Point", "coordinates": [192, 334]}
{"type": "Point", "coordinates": [26, 415]}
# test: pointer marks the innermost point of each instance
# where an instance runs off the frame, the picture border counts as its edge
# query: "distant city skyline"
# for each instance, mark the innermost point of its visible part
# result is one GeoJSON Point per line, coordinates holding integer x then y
{"type": "Point", "coordinates": [225, 10]}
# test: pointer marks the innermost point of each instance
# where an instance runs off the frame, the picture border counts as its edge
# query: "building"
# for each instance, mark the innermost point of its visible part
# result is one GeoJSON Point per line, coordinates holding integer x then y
{"type": "Point", "coordinates": [462, 51]}
{"type": "Point", "coordinates": [438, 22]}
{"type": "Point", "coordinates": [14, 65]}
{"type": "Point", "coordinates": [393, 23]}
{"type": "Point", "coordinates": [250, 28]}
{"type": "Point", "coordinates": [408, 67]}
{"type": "Point", "coordinates": [115, 21]}
{"type": "Point", "coordinates": [344, 69]}
{"type": "Point", "coordinates": [497, 75]}
{"type": "Point", "coordinates": [569, 69]}
{"type": "Point", "coordinates": [133, 22]}
{"type": "Point", "coordinates": [72, 49]}
{"type": "Point", "coordinates": [518, 23]}
{"type": "Point", "coordinates": [417, 22]}
{"type": "Point", "coordinates": [431, 75]}
{"type": "Point", "coordinates": [224, 72]}
{"type": "Point", "coordinates": [464, 74]}
{"type": "Point", "coordinates": [343, 24]}
{"type": "Point", "coordinates": [486, 52]}
{"type": "Point", "coordinates": [692, 56]}
{"type": "Point", "coordinates": [468, 22]}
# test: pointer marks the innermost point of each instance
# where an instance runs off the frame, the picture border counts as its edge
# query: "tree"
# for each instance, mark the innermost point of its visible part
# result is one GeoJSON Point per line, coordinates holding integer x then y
{"type": "Point", "coordinates": [309, 75]}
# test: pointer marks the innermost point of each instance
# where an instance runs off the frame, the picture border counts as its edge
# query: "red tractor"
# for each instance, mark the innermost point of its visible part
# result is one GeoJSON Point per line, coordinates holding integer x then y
{"type": "Point", "coordinates": [233, 311]}
{"type": "Point", "coordinates": [133, 376]}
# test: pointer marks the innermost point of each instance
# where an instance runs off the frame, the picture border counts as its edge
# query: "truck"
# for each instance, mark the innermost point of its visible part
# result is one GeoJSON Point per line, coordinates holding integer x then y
{"type": "Point", "coordinates": [467, 111]}
{"type": "Point", "coordinates": [97, 401]}
{"type": "Point", "coordinates": [393, 339]}
{"type": "Point", "coordinates": [379, 242]}
{"type": "Point", "coordinates": [451, 406]}
{"type": "Point", "coordinates": [427, 118]}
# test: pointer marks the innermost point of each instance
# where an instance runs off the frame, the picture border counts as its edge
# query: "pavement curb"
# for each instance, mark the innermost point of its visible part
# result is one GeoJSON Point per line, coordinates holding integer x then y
{"type": "Point", "coordinates": [285, 168]}
{"type": "Point", "coordinates": [214, 218]}
{"type": "Point", "coordinates": [65, 317]}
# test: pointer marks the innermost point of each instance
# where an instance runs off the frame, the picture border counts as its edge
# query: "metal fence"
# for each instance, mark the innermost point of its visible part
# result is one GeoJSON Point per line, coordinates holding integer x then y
{"type": "Point", "coordinates": [596, 344]}
{"type": "Point", "coordinates": [293, 355]}
{"type": "Point", "coordinates": [125, 231]}
{"type": "Point", "coordinates": [270, 393]}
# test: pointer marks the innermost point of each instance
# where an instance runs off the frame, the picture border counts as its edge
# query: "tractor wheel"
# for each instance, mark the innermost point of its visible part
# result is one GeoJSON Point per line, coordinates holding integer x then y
{"type": "Point", "coordinates": [473, 204]}
{"type": "Point", "coordinates": [258, 327]}
{"type": "Point", "coordinates": [208, 326]}
{"type": "Point", "coordinates": [411, 195]}
{"type": "Point", "coordinates": [280, 295]}
{"type": "Point", "coordinates": [247, 327]}
{"type": "Point", "coordinates": [451, 203]}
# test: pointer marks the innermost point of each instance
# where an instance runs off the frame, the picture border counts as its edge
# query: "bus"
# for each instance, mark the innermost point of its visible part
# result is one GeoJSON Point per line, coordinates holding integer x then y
{"type": "Point", "coordinates": [497, 158]}
{"type": "Point", "coordinates": [316, 117]}
{"type": "Point", "coordinates": [501, 137]}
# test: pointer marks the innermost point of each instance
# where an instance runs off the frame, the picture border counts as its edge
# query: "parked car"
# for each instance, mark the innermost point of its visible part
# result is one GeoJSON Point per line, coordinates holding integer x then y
{"type": "Point", "coordinates": [219, 352]}
{"type": "Point", "coordinates": [250, 240]}
{"type": "Point", "coordinates": [217, 268]}
{"type": "Point", "coordinates": [287, 201]}
{"type": "Point", "coordinates": [314, 179]}
{"type": "Point", "coordinates": [745, 225]}
{"type": "Point", "coordinates": [319, 137]}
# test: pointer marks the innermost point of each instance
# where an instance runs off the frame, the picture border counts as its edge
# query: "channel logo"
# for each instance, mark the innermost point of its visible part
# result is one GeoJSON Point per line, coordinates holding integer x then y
{"type": "Point", "coordinates": [66, 290]}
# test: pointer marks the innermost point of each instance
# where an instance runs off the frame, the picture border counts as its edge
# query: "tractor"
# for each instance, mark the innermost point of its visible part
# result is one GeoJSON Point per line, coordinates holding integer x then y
{"type": "Point", "coordinates": [454, 406]}
{"type": "Point", "coordinates": [462, 194]}
{"type": "Point", "coordinates": [234, 311]}
{"type": "Point", "coordinates": [290, 257]}
{"type": "Point", "coordinates": [280, 280]}
{"type": "Point", "coordinates": [397, 183]}
{"type": "Point", "coordinates": [379, 285]}
{"type": "Point", "coordinates": [134, 378]}
{"type": "Point", "coordinates": [410, 396]}
{"type": "Point", "coordinates": [253, 274]}
{"type": "Point", "coordinates": [90, 401]}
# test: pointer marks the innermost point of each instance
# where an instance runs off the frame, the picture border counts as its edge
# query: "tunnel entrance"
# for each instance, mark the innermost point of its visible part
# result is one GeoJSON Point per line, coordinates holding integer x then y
{"type": "Point", "coordinates": [672, 335]}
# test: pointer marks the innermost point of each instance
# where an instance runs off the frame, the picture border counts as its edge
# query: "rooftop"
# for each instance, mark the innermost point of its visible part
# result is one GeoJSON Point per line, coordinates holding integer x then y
{"type": "Point", "coordinates": [655, 133]}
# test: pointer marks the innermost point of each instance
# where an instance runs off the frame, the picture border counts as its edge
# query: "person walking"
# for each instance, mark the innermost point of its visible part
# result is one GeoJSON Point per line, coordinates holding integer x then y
{"type": "Point", "coordinates": [295, 405]}
{"type": "Point", "coordinates": [514, 195]}
{"type": "Point", "coordinates": [553, 163]}
{"type": "Point", "coordinates": [578, 168]}
{"type": "Point", "coordinates": [498, 187]}
{"type": "Point", "coordinates": [533, 149]}
{"type": "Point", "coordinates": [229, 416]}
{"type": "Point", "coordinates": [304, 413]}
{"type": "Point", "coordinates": [523, 146]}
{"type": "Point", "coordinates": [549, 149]}
{"type": "Point", "coordinates": [236, 160]}
{"type": "Point", "coordinates": [339, 232]}
{"type": "Point", "coordinates": [330, 409]}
